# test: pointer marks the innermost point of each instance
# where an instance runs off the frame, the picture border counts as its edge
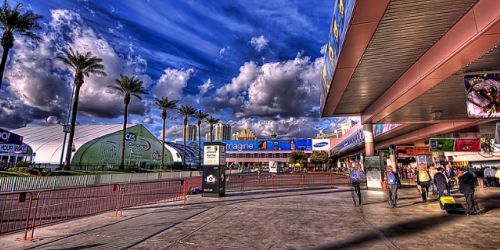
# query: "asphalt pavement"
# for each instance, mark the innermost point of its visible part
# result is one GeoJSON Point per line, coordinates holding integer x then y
{"type": "Point", "coordinates": [281, 219]}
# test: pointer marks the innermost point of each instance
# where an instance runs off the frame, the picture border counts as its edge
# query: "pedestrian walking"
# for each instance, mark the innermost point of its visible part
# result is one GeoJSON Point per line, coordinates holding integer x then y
{"type": "Point", "coordinates": [467, 183]}
{"type": "Point", "coordinates": [432, 172]}
{"type": "Point", "coordinates": [423, 181]}
{"type": "Point", "coordinates": [441, 183]}
{"type": "Point", "coordinates": [393, 184]}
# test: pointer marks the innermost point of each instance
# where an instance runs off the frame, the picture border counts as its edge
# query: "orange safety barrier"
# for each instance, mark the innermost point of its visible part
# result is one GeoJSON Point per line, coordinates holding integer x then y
{"type": "Point", "coordinates": [29, 210]}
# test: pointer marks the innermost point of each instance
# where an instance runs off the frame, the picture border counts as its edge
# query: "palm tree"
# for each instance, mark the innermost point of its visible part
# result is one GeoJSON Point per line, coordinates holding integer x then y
{"type": "Point", "coordinates": [200, 116]}
{"type": "Point", "coordinates": [128, 86]}
{"type": "Point", "coordinates": [212, 121]}
{"type": "Point", "coordinates": [185, 111]}
{"type": "Point", "coordinates": [83, 65]}
{"type": "Point", "coordinates": [164, 104]}
{"type": "Point", "coordinates": [13, 21]}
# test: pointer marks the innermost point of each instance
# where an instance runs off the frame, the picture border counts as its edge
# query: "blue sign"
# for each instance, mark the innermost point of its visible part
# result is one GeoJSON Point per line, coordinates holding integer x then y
{"type": "Point", "coordinates": [341, 17]}
{"type": "Point", "coordinates": [8, 137]}
{"type": "Point", "coordinates": [269, 145]}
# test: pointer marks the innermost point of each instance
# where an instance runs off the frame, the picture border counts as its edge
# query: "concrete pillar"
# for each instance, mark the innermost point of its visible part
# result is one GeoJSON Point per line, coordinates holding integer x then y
{"type": "Point", "coordinates": [369, 144]}
{"type": "Point", "coordinates": [392, 156]}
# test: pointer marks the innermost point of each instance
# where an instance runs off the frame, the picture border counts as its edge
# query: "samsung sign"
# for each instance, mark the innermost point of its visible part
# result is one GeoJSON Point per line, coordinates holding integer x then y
{"type": "Point", "coordinates": [321, 144]}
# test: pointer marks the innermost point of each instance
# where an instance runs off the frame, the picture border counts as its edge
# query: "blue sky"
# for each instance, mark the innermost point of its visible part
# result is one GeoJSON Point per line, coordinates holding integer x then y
{"type": "Point", "coordinates": [253, 64]}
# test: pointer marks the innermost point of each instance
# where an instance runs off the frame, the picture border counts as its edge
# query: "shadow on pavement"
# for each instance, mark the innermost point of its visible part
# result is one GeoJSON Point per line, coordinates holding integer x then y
{"type": "Point", "coordinates": [80, 247]}
{"type": "Point", "coordinates": [393, 231]}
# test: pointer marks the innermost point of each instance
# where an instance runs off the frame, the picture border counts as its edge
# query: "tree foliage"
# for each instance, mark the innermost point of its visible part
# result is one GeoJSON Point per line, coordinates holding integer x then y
{"type": "Point", "coordinates": [298, 157]}
{"type": "Point", "coordinates": [319, 157]}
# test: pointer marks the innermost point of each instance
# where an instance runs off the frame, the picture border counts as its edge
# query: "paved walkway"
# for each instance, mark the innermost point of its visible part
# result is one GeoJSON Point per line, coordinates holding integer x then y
{"type": "Point", "coordinates": [285, 219]}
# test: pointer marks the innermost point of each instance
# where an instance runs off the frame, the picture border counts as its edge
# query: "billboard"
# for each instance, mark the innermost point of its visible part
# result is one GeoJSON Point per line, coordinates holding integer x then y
{"type": "Point", "coordinates": [341, 16]}
{"type": "Point", "coordinates": [269, 145]}
{"type": "Point", "coordinates": [320, 144]}
{"type": "Point", "coordinates": [10, 138]}
{"type": "Point", "coordinates": [483, 95]}
{"type": "Point", "coordinates": [455, 145]}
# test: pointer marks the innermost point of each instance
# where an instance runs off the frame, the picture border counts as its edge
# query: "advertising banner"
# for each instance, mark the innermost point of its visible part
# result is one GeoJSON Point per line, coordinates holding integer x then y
{"type": "Point", "coordinates": [268, 145]}
{"type": "Point", "coordinates": [421, 151]}
{"type": "Point", "coordinates": [379, 129]}
{"type": "Point", "coordinates": [483, 95]}
{"type": "Point", "coordinates": [468, 145]}
{"type": "Point", "coordinates": [320, 144]}
{"type": "Point", "coordinates": [441, 144]}
{"type": "Point", "coordinates": [373, 169]}
{"type": "Point", "coordinates": [341, 17]}
{"type": "Point", "coordinates": [404, 151]}
{"type": "Point", "coordinates": [13, 149]}
{"type": "Point", "coordinates": [10, 138]}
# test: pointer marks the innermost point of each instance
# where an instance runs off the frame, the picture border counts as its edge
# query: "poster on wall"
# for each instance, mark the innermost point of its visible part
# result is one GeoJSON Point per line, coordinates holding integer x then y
{"type": "Point", "coordinates": [483, 95]}
{"type": "Point", "coordinates": [468, 145]}
{"type": "Point", "coordinates": [441, 144]}
{"type": "Point", "coordinates": [373, 170]}
{"type": "Point", "coordinates": [404, 151]}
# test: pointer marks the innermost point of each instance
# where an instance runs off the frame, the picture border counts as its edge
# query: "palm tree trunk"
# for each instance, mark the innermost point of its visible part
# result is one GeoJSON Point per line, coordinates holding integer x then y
{"type": "Point", "coordinates": [184, 147]}
{"type": "Point", "coordinates": [5, 54]}
{"type": "Point", "coordinates": [199, 144]}
{"type": "Point", "coordinates": [163, 145]}
{"type": "Point", "coordinates": [74, 110]}
{"type": "Point", "coordinates": [211, 132]}
{"type": "Point", "coordinates": [125, 118]}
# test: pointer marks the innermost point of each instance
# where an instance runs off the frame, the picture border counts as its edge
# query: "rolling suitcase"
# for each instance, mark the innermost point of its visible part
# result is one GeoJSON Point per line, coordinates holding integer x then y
{"type": "Point", "coordinates": [450, 206]}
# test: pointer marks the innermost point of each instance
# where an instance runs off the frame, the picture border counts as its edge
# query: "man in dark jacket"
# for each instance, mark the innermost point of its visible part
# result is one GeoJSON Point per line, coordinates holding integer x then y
{"type": "Point", "coordinates": [467, 182]}
{"type": "Point", "coordinates": [441, 183]}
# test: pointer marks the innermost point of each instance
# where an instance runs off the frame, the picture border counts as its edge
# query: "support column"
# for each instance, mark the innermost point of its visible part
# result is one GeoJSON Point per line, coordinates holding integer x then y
{"type": "Point", "coordinates": [392, 157]}
{"type": "Point", "coordinates": [369, 144]}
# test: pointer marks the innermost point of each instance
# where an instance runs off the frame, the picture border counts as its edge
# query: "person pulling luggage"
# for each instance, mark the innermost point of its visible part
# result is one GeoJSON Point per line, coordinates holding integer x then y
{"type": "Point", "coordinates": [441, 183]}
{"type": "Point", "coordinates": [466, 185]}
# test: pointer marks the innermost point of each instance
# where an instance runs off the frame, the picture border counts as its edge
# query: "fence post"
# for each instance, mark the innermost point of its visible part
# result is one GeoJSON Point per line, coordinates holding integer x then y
{"type": "Point", "coordinates": [331, 180]}
{"type": "Point", "coordinates": [184, 192]}
{"type": "Point", "coordinates": [14, 182]}
{"type": "Point", "coordinates": [130, 178]}
{"type": "Point", "coordinates": [302, 180]}
{"type": "Point", "coordinates": [120, 198]}
{"type": "Point", "coordinates": [26, 228]}
{"type": "Point", "coordinates": [33, 223]}
{"type": "Point", "coordinates": [54, 182]}
{"type": "Point", "coordinates": [110, 179]}
{"type": "Point", "coordinates": [274, 181]}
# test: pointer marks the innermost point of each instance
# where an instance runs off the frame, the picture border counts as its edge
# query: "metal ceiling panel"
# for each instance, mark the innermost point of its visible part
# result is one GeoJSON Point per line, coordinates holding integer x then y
{"type": "Point", "coordinates": [407, 30]}
{"type": "Point", "coordinates": [448, 97]}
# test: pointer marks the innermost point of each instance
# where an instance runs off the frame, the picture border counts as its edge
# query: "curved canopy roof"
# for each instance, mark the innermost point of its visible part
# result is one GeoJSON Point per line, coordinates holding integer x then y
{"type": "Point", "coordinates": [46, 141]}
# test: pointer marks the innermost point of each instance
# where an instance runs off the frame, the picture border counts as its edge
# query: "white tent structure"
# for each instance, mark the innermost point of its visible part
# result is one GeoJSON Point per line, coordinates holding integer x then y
{"type": "Point", "coordinates": [46, 141]}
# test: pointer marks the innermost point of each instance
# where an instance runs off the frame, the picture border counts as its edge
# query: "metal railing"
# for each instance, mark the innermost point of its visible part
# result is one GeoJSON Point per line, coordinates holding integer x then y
{"type": "Point", "coordinates": [29, 210]}
{"type": "Point", "coordinates": [13, 184]}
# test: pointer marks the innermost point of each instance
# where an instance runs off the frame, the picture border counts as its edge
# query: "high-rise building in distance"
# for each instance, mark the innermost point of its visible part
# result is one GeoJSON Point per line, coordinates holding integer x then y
{"type": "Point", "coordinates": [222, 132]}
{"type": "Point", "coordinates": [190, 133]}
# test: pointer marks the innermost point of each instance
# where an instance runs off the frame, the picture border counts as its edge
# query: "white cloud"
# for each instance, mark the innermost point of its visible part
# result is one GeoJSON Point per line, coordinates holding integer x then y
{"type": "Point", "coordinates": [172, 82]}
{"type": "Point", "coordinates": [288, 89]}
{"type": "Point", "coordinates": [35, 77]}
{"type": "Point", "coordinates": [205, 87]}
{"type": "Point", "coordinates": [224, 51]}
{"type": "Point", "coordinates": [259, 43]}
{"type": "Point", "coordinates": [147, 120]}
{"type": "Point", "coordinates": [289, 127]}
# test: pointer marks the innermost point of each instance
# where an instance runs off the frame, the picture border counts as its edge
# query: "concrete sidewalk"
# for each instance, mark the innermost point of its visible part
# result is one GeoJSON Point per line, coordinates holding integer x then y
{"type": "Point", "coordinates": [283, 219]}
